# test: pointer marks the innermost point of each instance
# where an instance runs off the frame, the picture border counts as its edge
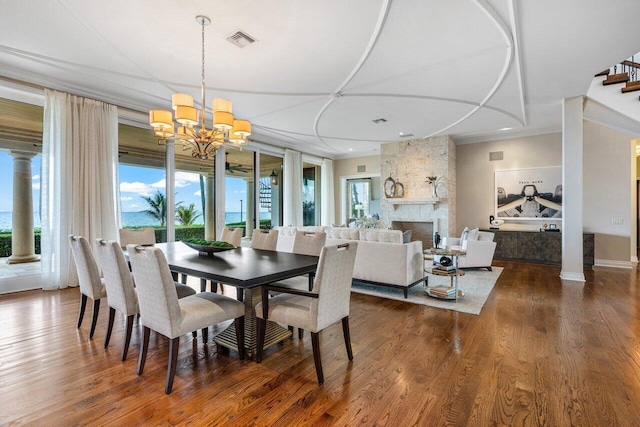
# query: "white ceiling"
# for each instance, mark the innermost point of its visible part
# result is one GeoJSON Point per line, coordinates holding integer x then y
{"type": "Point", "coordinates": [322, 70]}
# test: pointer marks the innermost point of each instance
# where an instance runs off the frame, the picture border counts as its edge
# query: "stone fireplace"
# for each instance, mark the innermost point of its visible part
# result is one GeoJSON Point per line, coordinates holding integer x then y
{"type": "Point", "coordinates": [410, 163]}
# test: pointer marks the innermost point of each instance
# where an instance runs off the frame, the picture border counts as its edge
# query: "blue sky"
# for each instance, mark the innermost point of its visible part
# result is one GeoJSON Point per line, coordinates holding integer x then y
{"type": "Point", "coordinates": [134, 182]}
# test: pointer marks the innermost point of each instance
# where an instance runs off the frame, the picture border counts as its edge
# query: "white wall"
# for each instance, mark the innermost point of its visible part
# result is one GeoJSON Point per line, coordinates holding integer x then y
{"type": "Point", "coordinates": [476, 173]}
{"type": "Point", "coordinates": [607, 191]}
{"type": "Point", "coordinates": [607, 184]}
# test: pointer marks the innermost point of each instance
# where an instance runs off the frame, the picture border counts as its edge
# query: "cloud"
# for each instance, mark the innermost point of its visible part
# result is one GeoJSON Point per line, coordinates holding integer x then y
{"type": "Point", "coordinates": [126, 199]}
{"type": "Point", "coordinates": [159, 184]}
{"type": "Point", "coordinates": [35, 177]}
{"type": "Point", "coordinates": [136, 187]}
{"type": "Point", "coordinates": [35, 185]}
{"type": "Point", "coordinates": [240, 192]}
{"type": "Point", "coordinates": [197, 193]}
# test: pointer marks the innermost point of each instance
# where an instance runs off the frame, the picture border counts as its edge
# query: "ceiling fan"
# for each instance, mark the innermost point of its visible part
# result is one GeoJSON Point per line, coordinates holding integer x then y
{"type": "Point", "coordinates": [234, 168]}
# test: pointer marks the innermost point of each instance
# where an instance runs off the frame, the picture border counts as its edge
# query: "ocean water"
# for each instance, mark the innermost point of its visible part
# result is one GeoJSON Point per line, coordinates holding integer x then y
{"type": "Point", "coordinates": [131, 219]}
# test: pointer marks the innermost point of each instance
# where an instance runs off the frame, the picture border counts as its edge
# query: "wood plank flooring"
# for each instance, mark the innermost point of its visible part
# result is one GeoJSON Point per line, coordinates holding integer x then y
{"type": "Point", "coordinates": [540, 353]}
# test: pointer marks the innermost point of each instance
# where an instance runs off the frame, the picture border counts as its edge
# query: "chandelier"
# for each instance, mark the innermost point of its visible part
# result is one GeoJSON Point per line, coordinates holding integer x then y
{"type": "Point", "coordinates": [192, 131]}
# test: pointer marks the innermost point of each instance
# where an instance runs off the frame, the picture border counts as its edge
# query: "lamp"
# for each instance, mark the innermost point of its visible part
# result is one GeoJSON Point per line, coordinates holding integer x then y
{"type": "Point", "coordinates": [274, 177]}
{"type": "Point", "coordinates": [192, 131]}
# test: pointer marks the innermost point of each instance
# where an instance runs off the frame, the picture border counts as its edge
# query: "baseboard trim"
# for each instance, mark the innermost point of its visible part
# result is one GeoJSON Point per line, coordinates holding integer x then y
{"type": "Point", "coordinates": [634, 259]}
{"type": "Point", "coordinates": [574, 277]}
{"type": "Point", "coordinates": [21, 283]}
{"type": "Point", "coordinates": [612, 263]}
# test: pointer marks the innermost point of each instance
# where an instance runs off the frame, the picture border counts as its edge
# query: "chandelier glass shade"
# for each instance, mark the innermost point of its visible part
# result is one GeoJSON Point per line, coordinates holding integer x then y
{"type": "Point", "coordinates": [192, 130]}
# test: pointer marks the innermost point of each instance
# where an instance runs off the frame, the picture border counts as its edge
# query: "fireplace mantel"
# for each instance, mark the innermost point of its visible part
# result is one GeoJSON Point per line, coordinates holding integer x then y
{"type": "Point", "coordinates": [400, 201]}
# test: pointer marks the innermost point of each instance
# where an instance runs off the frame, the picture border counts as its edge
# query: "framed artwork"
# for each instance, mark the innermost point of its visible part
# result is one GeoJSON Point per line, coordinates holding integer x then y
{"type": "Point", "coordinates": [529, 194]}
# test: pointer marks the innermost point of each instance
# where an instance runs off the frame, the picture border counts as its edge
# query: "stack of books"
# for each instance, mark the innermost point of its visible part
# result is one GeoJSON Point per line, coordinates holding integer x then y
{"type": "Point", "coordinates": [442, 291]}
{"type": "Point", "coordinates": [446, 268]}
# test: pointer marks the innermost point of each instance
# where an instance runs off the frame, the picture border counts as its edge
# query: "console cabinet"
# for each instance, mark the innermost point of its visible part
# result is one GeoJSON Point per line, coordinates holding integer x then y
{"type": "Point", "coordinates": [537, 246]}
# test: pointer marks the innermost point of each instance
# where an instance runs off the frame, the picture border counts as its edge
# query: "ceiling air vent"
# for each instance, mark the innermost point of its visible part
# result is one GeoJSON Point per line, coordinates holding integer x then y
{"type": "Point", "coordinates": [377, 121]}
{"type": "Point", "coordinates": [405, 135]}
{"type": "Point", "coordinates": [241, 39]}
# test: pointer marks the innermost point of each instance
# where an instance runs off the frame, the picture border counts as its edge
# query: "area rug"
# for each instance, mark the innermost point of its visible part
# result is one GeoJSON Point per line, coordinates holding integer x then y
{"type": "Point", "coordinates": [476, 285]}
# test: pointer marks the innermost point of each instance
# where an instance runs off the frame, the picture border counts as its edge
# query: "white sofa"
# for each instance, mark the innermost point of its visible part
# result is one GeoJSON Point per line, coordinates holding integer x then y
{"type": "Point", "coordinates": [382, 258]}
{"type": "Point", "coordinates": [479, 246]}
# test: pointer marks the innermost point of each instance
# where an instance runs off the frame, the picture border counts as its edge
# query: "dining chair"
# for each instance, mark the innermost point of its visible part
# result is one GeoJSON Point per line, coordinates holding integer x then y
{"type": "Point", "coordinates": [121, 291]}
{"type": "Point", "coordinates": [162, 311]}
{"type": "Point", "coordinates": [265, 240]}
{"type": "Point", "coordinates": [143, 237]}
{"type": "Point", "coordinates": [304, 243]}
{"type": "Point", "coordinates": [91, 284]}
{"type": "Point", "coordinates": [232, 235]}
{"type": "Point", "coordinates": [229, 235]}
{"type": "Point", "coordinates": [315, 310]}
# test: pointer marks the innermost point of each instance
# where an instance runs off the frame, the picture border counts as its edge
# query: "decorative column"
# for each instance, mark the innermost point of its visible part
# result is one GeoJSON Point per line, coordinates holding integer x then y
{"type": "Point", "coordinates": [572, 166]}
{"type": "Point", "coordinates": [251, 208]}
{"type": "Point", "coordinates": [171, 191]}
{"type": "Point", "coordinates": [22, 241]}
{"type": "Point", "coordinates": [209, 210]}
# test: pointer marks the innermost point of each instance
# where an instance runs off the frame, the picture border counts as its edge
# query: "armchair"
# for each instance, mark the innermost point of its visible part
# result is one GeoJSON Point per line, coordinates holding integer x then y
{"type": "Point", "coordinates": [479, 246]}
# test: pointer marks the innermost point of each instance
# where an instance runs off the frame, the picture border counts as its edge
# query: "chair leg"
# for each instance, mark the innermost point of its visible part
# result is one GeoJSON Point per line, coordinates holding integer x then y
{"type": "Point", "coordinates": [239, 322]}
{"type": "Point", "coordinates": [406, 292]}
{"type": "Point", "coordinates": [347, 336]}
{"type": "Point", "coordinates": [144, 345]}
{"type": "Point", "coordinates": [489, 269]}
{"type": "Point", "coordinates": [127, 337]}
{"type": "Point", "coordinates": [300, 333]}
{"type": "Point", "coordinates": [261, 325]}
{"type": "Point", "coordinates": [83, 305]}
{"type": "Point", "coordinates": [315, 343]}
{"type": "Point", "coordinates": [203, 285]}
{"type": "Point", "coordinates": [174, 344]}
{"type": "Point", "coordinates": [112, 316]}
{"type": "Point", "coordinates": [240, 294]}
{"type": "Point", "coordinates": [205, 335]}
{"type": "Point", "coordinates": [184, 278]}
{"type": "Point", "coordinates": [94, 321]}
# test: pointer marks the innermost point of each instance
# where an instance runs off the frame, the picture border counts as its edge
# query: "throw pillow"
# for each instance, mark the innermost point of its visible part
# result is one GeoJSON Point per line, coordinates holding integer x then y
{"type": "Point", "coordinates": [473, 234]}
{"type": "Point", "coordinates": [406, 236]}
{"type": "Point", "coordinates": [464, 236]}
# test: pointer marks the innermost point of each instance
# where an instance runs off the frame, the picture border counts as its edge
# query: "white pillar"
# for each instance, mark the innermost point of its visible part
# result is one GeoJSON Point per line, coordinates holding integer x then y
{"type": "Point", "coordinates": [572, 178]}
{"type": "Point", "coordinates": [250, 208]}
{"type": "Point", "coordinates": [220, 191]}
{"type": "Point", "coordinates": [171, 191]}
{"type": "Point", "coordinates": [209, 209]}
{"type": "Point", "coordinates": [22, 242]}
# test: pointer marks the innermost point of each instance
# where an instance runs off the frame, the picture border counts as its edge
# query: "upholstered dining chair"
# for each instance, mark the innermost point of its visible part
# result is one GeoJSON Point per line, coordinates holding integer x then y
{"type": "Point", "coordinates": [317, 309]}
{"type": "Point", "coordinates": [265, 240]}
{"type": "Point", "coordinates": [304, 243]}
{"type": "Point", "coordinates": [143, 237]}
{"type": "Point", "coordinates": [162, 311]}
{"type": "Point", "coordinates": [91, 284]}
{"type": "Point", "coordinates": [140, 236]}
{"type": "Point", "coordinates": [120, 287]}
{"type": "Point", "coordinates": [233, 236]}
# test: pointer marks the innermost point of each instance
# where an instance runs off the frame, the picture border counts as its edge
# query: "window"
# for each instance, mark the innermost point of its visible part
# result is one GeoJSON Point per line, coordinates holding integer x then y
{"type": "Point", "coordinates": [310, 194]}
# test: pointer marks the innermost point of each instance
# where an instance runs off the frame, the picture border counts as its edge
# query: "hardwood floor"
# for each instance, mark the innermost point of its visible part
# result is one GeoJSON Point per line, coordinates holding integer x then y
{"type": "Point", "coordinates": [540, 353]}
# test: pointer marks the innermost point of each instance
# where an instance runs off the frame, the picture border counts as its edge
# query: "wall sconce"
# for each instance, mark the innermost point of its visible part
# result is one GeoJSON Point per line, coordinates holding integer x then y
{"type": "Point", "coordinates": [274, 178]}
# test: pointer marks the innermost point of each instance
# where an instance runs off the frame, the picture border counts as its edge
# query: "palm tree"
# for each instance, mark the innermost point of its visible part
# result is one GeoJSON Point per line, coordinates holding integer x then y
{"type": "Point", "coordinates": [157, 207]}
{"type": "Point", "coordinates": [187, 215]}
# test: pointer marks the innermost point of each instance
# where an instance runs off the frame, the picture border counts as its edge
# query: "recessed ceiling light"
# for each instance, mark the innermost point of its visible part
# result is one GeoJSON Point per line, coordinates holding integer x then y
{"type": "Point", "coordinates": [506, 129]}
{"type": "Point", "coordinates": [350, 149]}
{"type": "Point", "coordinates": [404, 135]}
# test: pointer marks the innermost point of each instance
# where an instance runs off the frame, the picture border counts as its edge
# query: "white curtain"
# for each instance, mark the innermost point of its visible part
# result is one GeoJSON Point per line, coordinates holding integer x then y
{"type": "Point", "coordinates": [79, 190]}
{"type": "Point", "coordinates": [292, 188]}
{"type": "Point", "coordinates": [327, 201]}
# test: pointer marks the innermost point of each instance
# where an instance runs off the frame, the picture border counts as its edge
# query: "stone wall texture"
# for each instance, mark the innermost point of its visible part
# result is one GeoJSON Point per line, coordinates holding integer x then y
{"type": "Point", "coordinates": [410, 162]}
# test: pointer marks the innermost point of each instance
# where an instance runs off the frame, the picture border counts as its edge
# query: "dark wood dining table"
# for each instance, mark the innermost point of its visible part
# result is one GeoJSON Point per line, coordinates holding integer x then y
{"type": "Point", "coordinates": [244, 268]}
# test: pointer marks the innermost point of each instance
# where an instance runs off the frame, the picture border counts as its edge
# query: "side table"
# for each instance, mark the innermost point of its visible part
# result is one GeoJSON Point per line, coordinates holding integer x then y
{"type": "Point", "coordinates": [442, 292]}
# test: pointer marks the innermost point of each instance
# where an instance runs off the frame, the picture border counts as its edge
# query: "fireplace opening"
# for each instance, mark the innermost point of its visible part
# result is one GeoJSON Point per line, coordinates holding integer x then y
{"type": "Point", "coordinates": [420, 230]}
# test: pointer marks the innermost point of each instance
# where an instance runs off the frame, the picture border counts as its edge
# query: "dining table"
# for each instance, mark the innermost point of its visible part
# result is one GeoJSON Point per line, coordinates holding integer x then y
{"type": "Point", "coordinates": [247, 269]}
